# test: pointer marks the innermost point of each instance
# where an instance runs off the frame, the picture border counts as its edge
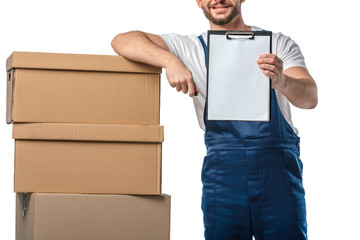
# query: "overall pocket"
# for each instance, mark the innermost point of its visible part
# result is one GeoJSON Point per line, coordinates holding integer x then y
{"type": "Point", "coordinates": [293, 169]}
{"type": "Point", "coordinates": [238, 129]}
{"type": "Point", "coordinates": [293, 164]}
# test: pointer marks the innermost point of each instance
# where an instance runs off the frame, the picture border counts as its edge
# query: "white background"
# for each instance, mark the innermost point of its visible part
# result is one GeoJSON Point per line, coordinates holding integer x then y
{"type": "Point", "coordinates": [329, 39]}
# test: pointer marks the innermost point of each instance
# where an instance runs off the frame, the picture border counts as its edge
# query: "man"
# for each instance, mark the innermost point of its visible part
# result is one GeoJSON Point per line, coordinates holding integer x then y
{"type": "Point", "coordinates": [252, 174]}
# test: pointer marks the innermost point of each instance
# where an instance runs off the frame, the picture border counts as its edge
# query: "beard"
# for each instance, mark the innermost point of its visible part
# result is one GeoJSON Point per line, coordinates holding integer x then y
{"type": "Point", "coordinates": [235, 11]}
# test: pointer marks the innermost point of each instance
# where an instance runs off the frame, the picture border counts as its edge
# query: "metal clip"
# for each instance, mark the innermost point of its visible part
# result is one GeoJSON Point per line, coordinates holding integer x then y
{"type": "Point", "coordinates": [239, 35]}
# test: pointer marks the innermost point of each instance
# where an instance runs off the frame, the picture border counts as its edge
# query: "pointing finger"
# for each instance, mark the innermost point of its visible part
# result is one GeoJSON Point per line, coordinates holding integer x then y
{"type": "Point", "coordinates": [192, 88]}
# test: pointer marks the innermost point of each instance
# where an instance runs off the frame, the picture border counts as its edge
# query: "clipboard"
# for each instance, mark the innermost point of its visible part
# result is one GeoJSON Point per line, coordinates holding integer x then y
{"type": "Point", "coordinates": [237, 89]}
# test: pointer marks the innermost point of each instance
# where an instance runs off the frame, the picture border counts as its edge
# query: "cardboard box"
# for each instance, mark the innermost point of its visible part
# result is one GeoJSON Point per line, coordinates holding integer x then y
{"type": "Point", "coordinates": [87, 158]}
{"type": "Point", "coordinates": [79, 88]}
{"type": "Point", "coordinates": [92, 217]}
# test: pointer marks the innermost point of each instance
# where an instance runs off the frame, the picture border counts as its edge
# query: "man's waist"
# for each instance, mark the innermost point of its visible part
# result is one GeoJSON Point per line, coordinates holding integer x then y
{"type": "Point", "coordinates": [251, 144]}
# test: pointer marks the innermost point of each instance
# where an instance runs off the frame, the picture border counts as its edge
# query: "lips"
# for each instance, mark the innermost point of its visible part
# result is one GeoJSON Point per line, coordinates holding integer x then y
{"type": "Point", "coordinates": [219, 6]}
{"type": "Point", "coordinates": [220, 9]}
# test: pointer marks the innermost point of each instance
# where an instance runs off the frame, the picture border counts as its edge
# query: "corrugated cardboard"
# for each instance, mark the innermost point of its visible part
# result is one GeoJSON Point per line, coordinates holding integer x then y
{"type": "Point", "coordinates": [92, 217]}
{"type": "Point", "coordinates": [83, 62]}
{"type": "Point", "coordinates": [70, 88]}
{"type": "Point", "coordinates": [89, 132]}
{"type": "Point", "coordinates": [87, 159]}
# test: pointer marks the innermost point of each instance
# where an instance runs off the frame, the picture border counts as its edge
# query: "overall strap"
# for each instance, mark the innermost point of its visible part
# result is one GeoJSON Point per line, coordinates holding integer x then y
{"type": "Point", "coordinates": [204, 46]}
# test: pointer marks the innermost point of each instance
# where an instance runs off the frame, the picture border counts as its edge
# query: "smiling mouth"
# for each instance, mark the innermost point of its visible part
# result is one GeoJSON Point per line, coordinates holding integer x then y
{"type": "Point", "coordinates": [219, 7]}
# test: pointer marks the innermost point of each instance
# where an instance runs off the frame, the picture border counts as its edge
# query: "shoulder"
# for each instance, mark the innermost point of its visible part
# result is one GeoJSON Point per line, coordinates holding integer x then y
{"type": "Point", "coordinates": [175, 38]}
{"type": "Point", "coordinates": [288, 50]}
{"type": "Point", "coordinates": [279, 39]}
{"type": "Point", "coordinates": [282, 40]}
{"type": "Point", "coordinates": [180, 45]}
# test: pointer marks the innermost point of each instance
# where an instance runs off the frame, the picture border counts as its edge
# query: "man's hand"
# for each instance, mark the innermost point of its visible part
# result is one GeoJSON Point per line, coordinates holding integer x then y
{"type": "Point", "coordinates": [272, 67]}
{"type": "Point", "coordinates": [295, 83]}
{"type": "Point", "coordinates": [152, 49]}
{"type": "Point", "coordinates": [180, 77]}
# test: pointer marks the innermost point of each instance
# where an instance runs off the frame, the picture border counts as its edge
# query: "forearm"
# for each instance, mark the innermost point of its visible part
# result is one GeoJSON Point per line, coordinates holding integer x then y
{"type": "Point", "coordinates": [137, 46]}
{"type": "Point", "coordinates": [152, 49]}
{"type": "Point", "coordinates": [301, 92]}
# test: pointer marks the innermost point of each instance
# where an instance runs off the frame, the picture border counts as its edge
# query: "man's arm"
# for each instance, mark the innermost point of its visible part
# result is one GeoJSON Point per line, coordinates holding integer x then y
{"type": "Point", "coordinates": [295, 83]}
{"type": "Point", "coordinates": [152, 49]}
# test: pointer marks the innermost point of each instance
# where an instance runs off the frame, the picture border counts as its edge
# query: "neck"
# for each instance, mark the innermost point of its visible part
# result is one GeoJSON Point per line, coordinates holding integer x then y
{"type": "Point", "coordinates": [236, 24]}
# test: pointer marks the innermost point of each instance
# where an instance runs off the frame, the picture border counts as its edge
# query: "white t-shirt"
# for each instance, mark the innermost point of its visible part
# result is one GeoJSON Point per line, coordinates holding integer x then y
{"type": "Point", "coordinates": [191, 52]}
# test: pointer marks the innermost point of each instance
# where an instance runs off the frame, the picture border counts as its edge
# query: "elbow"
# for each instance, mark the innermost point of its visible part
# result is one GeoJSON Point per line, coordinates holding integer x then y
{"type": "Point", "coordinates": [308, 104]}
{"type": "Point", "coordinates": [309, 99]}
{"type": "Point", "coordinates": [113, 43]}
{"type": "Point", "coordinates": [313, 103]}
{"type": "Point", "coordinates": [116, 43]}
{"type": "Point", "coordinates": [313, 100]}
{"type": "Point", "coordinates": [121, 41]}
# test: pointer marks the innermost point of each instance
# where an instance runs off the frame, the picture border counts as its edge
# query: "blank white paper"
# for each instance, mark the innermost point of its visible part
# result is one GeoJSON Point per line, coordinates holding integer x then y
{"type": "Point", "coordinates": [237, 88]}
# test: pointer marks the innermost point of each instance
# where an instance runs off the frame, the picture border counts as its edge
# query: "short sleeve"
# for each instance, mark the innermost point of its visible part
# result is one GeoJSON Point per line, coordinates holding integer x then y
{"type": "Point", "coordinates": [178, 44]}
{"type": "Point", "coordinates": [288, 51]}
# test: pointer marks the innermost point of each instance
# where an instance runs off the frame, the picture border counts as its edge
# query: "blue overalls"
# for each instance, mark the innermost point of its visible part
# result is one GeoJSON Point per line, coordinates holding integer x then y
{"type": "Point", "coordinates": [252, 179]}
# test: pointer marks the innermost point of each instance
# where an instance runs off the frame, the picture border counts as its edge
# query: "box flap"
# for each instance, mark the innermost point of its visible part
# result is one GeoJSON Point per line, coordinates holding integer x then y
{"type": "Point", "coordinates": [25, 216]}
{"type": "Point", "coordinates": [82, 62]}
{"type": "Point", "coordinates": [88, 132]}
{"type": "Point", "coordinates": [9, 95]}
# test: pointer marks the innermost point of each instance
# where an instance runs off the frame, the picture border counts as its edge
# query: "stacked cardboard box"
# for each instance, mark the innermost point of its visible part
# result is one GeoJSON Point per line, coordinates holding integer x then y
{"type": "Point", "coordinates": [86, 130]}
